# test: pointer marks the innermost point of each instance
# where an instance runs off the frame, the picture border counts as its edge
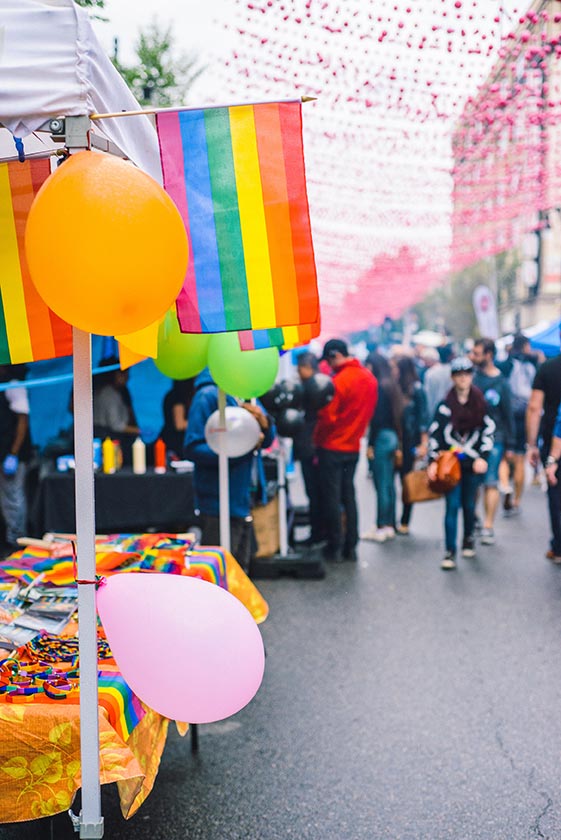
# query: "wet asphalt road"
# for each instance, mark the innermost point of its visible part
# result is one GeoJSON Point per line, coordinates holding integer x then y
{"type": "Point", "coordinates": [400, 702]}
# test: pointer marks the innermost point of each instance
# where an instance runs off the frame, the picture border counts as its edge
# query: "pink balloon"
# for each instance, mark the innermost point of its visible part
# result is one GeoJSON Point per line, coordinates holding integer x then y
{"type": "Point", "coordinates": [187, 648]}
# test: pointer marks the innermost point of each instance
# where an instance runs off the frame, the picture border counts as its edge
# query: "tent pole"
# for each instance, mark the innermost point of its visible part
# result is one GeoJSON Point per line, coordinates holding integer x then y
{"type": "Point", "coordinates": [91, 821]}
{"type": "Point", "coordinates": [223, 483]}
{"type": "Point", "coordinates": [282, 494]}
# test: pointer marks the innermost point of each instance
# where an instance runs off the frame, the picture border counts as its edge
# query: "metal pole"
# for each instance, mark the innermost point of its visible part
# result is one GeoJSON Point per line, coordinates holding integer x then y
{"type": "Point", "coordinates": [281, 481]}
{"type": "Point", "coordinates": [174, 108]}
{"type": "Point", "coordinates": [91, 821]}
{"type": "Point", "coordinates": [223, 483]}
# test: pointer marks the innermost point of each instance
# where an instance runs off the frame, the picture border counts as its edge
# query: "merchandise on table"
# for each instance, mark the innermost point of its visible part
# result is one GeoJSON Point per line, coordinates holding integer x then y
{"type": "Point", "coordinates": [39, 681]}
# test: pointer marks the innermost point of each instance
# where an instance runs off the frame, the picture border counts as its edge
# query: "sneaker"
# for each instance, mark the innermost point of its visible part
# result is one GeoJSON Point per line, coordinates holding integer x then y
{"type": "Point", "coordinates": [375, 535]}
{"type": "Point", "coordinates": [507, 501]}
{"type": "Point", "coordinates": [403, 530]}
{"type": "Point", "coordinates": [506, 489]}
{"type": "Point", "coordinates": [390, 532]}
{"type": "Point", "coordinates": [449, 561]}
{"type": "Point", "coordinates": [487, 536]}
{"type": "Point", "coordinates": [468, 547]}
{"type": "Point", "coordinates": [553, 557]}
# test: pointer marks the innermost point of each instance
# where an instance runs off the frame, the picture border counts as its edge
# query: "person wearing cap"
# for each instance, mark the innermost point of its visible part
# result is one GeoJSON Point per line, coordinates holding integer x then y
{"type": "Point", "coordinates": [339, 429]}
{"type": "Point", "coordinates": [461, 423]}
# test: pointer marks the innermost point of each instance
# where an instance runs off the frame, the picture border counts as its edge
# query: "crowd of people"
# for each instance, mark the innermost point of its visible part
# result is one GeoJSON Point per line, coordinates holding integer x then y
{"type": "Point", "coordinates": [499, 417]}
{"type": "Point", "coordinates": [496, 415]}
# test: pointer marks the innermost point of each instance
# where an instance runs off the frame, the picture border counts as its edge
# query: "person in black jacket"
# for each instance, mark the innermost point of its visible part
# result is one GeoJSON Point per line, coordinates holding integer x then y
{"type": "Point", "coordinates": [461, 423]}
{"type": "Point", "coordinates": [15, 450]}
{"type": "Point", "coordinates": [541, 414]}
{"type": "Point", "coordinates": [383, 442]}
{"type": "Point", "coordinates": [414, 426]}
{"type": "Point", "coordinates": [304, 451]}
{"type": "Point", "coordinates": [495, 388]}
{"type": "Point", "coordinates": [176, 406]}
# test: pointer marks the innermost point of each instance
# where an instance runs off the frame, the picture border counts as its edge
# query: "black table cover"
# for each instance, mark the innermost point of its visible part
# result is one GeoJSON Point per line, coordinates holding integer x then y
{"type": "Point", "coordinates": [124, 502]}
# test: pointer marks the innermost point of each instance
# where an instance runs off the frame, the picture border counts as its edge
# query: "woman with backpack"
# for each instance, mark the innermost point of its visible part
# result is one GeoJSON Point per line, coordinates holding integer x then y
{"type": "Point", "coordinates": [519, 370]}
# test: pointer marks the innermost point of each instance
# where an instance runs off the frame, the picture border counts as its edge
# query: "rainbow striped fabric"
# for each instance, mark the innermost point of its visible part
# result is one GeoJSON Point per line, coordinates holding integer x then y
{"type": "Point", "coordinates": [297, 336]}
{"type": "Point", "coordinates": [285, 337]}
{"type": "Point", "coordinates": [29, 330]}
{"type": "Point", "coordinates": [237, 177]}
{"type": "Point", "coordinates": [129, 553]}
{"type": "Point", "coordinates": [261, 339]}
{"type": "Point", "coordinates": [123, 707]}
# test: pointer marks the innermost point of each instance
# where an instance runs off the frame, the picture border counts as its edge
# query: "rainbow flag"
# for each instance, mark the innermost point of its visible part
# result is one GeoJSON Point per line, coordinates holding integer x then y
{"type": "Point", "coordinates": [285, 337]}
{"type": "Point", "coordinates": [237, 177]}
{"type": "Point", "coordinates": [261, 339]}
{"type": "Point", "coordinates": [29, 330]}
{"type": "Point", "coordinates": [303, 334]}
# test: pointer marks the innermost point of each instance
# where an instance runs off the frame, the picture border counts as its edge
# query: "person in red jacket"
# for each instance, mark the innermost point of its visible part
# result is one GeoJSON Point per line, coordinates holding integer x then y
{"type": "Point", "coordinates": [340, 426]}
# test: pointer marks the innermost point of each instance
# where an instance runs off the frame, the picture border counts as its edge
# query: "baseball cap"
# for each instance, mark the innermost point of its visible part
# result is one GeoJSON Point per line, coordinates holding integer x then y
{"type": "Point", "coordinates": [335, 345]}
{"type": "Point", "coordinates": [461, 364]}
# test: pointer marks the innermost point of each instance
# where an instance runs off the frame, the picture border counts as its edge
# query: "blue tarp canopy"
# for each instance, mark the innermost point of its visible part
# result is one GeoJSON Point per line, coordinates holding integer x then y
{"type": "Point", "coordinates": [548, 340]}
{"type": "Point", "coordinates": [49, 404]}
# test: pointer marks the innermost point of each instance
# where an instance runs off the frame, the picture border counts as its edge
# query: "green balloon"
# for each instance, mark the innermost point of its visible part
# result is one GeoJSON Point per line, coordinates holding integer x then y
{"type": "Point", "coordinates": [241, 373]}
{"type": "Point", "coordinates": [180, 355]}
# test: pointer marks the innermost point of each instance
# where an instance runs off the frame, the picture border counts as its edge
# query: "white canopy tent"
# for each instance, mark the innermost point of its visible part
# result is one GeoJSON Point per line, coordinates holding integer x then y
{"type": "Point", "coordinates": [52, 66]}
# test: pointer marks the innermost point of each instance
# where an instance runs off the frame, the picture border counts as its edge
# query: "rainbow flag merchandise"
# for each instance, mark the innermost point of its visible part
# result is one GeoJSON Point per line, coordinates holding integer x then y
{"type": "Point", "coordinates": [237, 177]}
{"type": "Point", "coordinates": [29, 330]}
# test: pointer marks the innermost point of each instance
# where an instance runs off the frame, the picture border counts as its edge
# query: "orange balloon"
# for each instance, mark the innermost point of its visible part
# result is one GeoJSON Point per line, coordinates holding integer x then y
{"type": "Point", "coordinates": [105, 245]}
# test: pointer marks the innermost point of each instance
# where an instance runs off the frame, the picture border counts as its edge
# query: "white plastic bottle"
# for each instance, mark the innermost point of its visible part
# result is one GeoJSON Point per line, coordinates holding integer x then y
{"type": "Point", "coordinates": [138, 457]}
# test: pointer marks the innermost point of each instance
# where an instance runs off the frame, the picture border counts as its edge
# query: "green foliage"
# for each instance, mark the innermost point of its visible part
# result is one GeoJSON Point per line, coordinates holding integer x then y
{"type": "Point", "coordinates": [92, 4]}
{"type": "Point", "coordinates": [452, 303]}
{"type": "Point", "coordinates": [159, 79]}
{"type": "Point", "coordinates": [507, 265]}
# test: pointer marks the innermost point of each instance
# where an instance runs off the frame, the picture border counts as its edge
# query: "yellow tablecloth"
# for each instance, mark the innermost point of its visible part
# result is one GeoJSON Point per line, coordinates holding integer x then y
{"type": "Point", "coordinates": [40, 744]}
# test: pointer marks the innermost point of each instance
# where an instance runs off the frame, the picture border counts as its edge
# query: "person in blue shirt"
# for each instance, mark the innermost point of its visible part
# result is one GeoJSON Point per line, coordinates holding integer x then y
{"type": "Point", "coordinates": [196, 449]}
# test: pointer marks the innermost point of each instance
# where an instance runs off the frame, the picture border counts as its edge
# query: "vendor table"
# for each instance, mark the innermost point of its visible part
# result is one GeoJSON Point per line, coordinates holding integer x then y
{"type": "Point", "coordinates": [123, 502]}
{"type": "Point", "coordinates": [40, 738]}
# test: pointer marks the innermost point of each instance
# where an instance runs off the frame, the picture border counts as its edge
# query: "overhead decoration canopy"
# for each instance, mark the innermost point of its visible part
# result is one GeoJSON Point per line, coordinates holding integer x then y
{"type": "Point", "coordinates": [419, 101]}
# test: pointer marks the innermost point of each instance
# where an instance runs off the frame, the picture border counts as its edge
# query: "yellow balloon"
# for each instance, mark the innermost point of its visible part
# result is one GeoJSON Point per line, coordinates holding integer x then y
{"type": "Point", "coordinates": [105, 245]}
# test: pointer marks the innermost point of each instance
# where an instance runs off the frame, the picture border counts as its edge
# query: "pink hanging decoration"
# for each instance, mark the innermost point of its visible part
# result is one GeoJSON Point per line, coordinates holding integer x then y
{"type": "Point", "coordinates": [428, 147]}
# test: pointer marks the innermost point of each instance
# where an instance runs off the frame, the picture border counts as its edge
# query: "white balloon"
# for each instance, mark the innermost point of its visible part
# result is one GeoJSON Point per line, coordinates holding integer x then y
{"type": "Point", "coordinates": [242, 431]}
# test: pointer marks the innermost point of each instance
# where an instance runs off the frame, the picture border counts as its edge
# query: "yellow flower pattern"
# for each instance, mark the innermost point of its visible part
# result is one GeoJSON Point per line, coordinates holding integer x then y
{"type": "Point", "coordinates": [40, 759]}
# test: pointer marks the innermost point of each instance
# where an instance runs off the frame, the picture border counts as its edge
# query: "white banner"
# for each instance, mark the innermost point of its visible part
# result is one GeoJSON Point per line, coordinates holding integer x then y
{"type": "Point", "coordinates": [485, 308]}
